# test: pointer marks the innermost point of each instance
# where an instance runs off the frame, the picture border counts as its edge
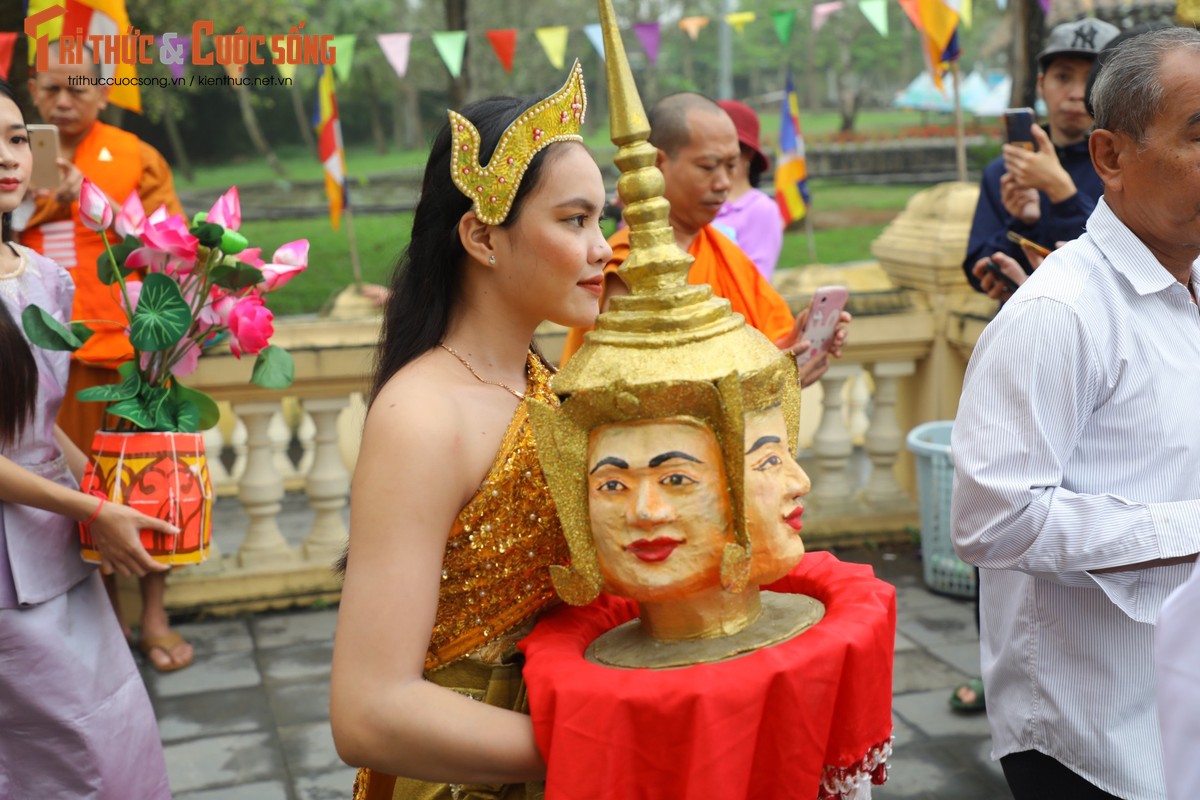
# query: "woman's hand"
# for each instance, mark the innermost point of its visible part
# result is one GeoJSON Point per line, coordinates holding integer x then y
{"type": "Point", "coordinates": [117, 532]}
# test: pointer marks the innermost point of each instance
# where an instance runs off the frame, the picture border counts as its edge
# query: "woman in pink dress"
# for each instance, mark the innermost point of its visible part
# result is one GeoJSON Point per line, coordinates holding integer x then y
{"type": "Point", "coordinates": [76, 719]}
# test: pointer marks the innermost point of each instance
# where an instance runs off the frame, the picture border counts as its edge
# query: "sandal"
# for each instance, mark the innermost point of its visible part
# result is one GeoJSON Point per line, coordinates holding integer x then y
{"type": "Point", "coordinates": [975, 704]}
{"type": "Point", "coordinates": [166, 643]}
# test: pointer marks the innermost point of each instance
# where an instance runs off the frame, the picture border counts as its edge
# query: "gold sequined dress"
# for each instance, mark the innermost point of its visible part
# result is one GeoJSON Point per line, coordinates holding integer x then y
{"type": "Point", "coordinates": [495, 580]}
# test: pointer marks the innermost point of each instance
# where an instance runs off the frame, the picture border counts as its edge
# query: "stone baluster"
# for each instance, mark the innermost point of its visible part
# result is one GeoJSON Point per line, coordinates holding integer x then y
{"type": "Point", "coordinates": [238, 441]}
{"type": "Point", "coordinates": [832, 446]}
{"type": "Point", "coordinates": [306, 433]}
{"type": "Point", "coordinates": [328, 482]}
{"type": "Point", "coordinates": [261, 490]}
{"type": "Point", "coordinates": [214, 444]}
{"type": "Point", "coordinates": [280, 434]}
{"type": "Point", "coordinates": [858, 399]}
{"type": "Point", "coordinates": [885, 438]}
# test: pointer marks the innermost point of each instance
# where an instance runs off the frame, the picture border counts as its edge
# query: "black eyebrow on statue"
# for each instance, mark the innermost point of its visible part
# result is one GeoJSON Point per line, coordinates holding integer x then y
{"type": "Point", "coordinates": [761, 441]}
{"type": "Point", "coordinates": [659, 459]}
{"type": "Point", "coordinates": [610, 461]}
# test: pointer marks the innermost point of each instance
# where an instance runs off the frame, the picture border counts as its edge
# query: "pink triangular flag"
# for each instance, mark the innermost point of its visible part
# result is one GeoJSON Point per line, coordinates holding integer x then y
{"type": "Point", "coordinates": [395, 47]}
{"type": "Point", "coordinates": [822, 11]}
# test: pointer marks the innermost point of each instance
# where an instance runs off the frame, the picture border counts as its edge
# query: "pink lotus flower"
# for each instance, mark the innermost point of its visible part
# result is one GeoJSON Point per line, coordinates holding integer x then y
{"type": "Point", "coordinates": [289, 261]}
{"type": "Point", "coordinates": [250, 326]}
{"type": "Point", "coordinates": [131, 219]}
{"type": "Point", "coordinates": [251, 256]}
{"type": "Point", "coordinates": [95, 211]}
{"type": "Point", "coordinates": [217, 310]}
{"type": "Point", "coordinates": [227, 211]}
{"type": "Point", "coordinates": [167, 245]}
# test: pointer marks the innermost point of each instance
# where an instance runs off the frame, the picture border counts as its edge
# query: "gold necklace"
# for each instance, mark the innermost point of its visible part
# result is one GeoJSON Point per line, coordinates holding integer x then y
{"type": "Point", "coordinates": [467, 364]}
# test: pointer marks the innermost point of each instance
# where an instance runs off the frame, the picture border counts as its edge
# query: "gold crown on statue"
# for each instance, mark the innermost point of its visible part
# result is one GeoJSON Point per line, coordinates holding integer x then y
{"type": "Point", "coordinates": [492, 188]}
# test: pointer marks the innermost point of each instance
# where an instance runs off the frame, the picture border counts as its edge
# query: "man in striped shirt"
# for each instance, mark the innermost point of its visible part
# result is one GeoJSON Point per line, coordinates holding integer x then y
{"type": "Point", "coordinates": [1077, 450]}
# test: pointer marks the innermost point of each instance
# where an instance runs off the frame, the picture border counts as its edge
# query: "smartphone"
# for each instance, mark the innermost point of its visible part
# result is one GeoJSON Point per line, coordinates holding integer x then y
{"type": "Point", "coordinates": [1017, 238]}
{"type": "Point", "coordinates": [43, 141]}
{"type": "Point", "coordinates": [1018, 124]}
{"type": "Point", "coordinates": [823, 314]}
{"type": "Point", "coordinates": [998, 274]}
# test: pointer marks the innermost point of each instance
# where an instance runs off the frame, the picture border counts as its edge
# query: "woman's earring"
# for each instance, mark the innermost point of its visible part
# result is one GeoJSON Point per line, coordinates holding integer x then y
{"type": "Point", "coordinates": [492, 260]}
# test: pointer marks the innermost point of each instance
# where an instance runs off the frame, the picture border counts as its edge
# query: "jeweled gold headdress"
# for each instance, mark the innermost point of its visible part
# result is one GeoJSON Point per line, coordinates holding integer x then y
{"type": "Point", "coordinates": [558, 118]}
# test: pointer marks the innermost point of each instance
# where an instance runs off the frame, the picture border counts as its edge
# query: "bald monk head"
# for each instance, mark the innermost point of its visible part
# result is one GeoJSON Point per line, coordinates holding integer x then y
{"type": "Point", "coordinates": [697, 152]}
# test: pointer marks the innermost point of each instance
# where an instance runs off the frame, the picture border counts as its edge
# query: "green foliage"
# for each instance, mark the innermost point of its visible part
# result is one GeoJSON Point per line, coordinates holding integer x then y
{"type": "Point", "coordinates": [207, 233]}
{"type": "Point", "coordinates": [47, 332]}
{"type": "Point", "coordinates": [111, 265]}
{"type": "Point", "coordinates": [162, 317]}
{"type": "Point", "coordinates": [236, 276]}
{"type": "Point", "coordinates": [129, 387]}
{"type": "Point", "coordinates": [208, 413]}
{"type": "Point", "coordinates": [274, 368]}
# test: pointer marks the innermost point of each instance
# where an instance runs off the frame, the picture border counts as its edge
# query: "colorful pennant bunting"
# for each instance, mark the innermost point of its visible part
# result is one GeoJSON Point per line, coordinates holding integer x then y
{"type": "Point", "coordinates": [343, 55]}
{"type": "Point", "coordinates": [649, 34]}
{"type": "Point", "coordinates": [595, 35]}
{"type": "Point", "coordinates": [784, 22]}
{"type": "Point", "coordinates": [823, 11]}
{"type": "Point", "coordinates": [554, 42]}
{"type": "Point", "coordinates": [740, 19]}
{"type": "Point", "coordinates": [451, 46]}
{"type": "Point", "coordinates": [504, 42]}
{"type": "Point", "coordinates": [876, 13]}
{"type": "Point", "coordinates": [693, 25]}
{"type": "Point", "coordinates": [395, 47]}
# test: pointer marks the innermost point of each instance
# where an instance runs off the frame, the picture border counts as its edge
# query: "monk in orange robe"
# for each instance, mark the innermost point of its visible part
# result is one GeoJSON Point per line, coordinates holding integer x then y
{"type": "Point", "coordinates": [698, 151]}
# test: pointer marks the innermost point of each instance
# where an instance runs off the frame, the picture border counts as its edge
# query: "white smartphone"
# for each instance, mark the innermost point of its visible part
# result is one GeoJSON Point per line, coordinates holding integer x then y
{"type": "Point", "coordinates": [43, 141]}
{"type": "Point", "coordinates": [823, 313]}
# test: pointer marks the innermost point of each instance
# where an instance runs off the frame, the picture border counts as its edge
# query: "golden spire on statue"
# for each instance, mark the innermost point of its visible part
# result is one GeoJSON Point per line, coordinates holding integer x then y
{"type": "Point", "coordinates": [647, 457]}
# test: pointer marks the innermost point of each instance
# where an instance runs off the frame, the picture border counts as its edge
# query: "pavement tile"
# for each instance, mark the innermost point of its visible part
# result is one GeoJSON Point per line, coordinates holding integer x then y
{"type": "Point", "coordinates": [903, 643]}
{"type": "Point", "coordinates": [963, 656]}
{"type": "Point", "coordinates": [309, 748]}
{"type": "Point", "coordinates": [930, 770]}
{"type": "Point", "coordinates": [306, 661]}
{"type": "Point", "coordinates": [217, 636]}
{"type": "Point", "coordinates": [333, 785]}
{"type": "Point", "coordinates": [293, 703]}
{"type": "Point", "coordinates": [903, 733]}
{"type": "Point", "coordinates": [918, 671]}
{"type": "Point", "coordinates": [930, 713]}
{"type": "Point", "coordinates": [216, 761]}
{"type": "Point", "coordinates": [260, 790]}
{"type": "Point", "coordinates": [945, 623]}
{"type": "Point", "coordinates": [206, 674]}
{"type": "Point", "coordinates": [214, 713]}
{"type": "Point", "coordinates": [915, 595]}
{"type": "Point", "coordinates": [282, 630]}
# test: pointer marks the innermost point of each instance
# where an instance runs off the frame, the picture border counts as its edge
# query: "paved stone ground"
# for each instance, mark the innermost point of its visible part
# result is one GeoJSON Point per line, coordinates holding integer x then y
{"type": "Point", "coordinates": [249, 719]}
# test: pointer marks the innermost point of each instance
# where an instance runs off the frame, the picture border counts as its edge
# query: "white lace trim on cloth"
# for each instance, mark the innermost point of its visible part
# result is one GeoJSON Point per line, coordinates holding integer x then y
{"type": "Point", "coordinates": [854, 782]}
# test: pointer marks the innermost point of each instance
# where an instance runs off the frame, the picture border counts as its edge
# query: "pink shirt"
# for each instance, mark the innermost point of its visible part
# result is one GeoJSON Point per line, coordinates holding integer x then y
{"type": "Point", "coordinates": [754, 217]}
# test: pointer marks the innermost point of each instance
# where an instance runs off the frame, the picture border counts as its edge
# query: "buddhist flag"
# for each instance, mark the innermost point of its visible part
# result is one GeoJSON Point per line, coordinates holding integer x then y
{"type": "Point", "coordinates": [937, 21]}
{"type": "Point", "coordinates": [97, 18]}
{"type": "Point", "coordinates": [791, 168]}
{"type": "Point", "coordinates": [329, 145]}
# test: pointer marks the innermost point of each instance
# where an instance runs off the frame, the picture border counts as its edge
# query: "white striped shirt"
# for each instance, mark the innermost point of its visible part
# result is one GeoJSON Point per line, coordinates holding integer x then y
{"type": "Point", "coordinates": [1077, 448]}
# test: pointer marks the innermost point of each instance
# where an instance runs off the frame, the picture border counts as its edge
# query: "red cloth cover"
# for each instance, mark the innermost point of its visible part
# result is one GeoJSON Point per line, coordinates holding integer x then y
{"type": "Point", "coordinates": [764, 725]}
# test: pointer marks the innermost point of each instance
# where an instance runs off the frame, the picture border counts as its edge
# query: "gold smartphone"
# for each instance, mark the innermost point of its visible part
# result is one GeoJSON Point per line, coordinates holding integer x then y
{"type": "Point", "coordinates": [1017, 238]}
{"type": "Point", "coordinates": [43, 141]}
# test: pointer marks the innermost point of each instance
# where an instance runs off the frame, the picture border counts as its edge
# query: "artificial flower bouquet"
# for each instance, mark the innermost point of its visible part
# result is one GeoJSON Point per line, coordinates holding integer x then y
{"type": "Point", "coordinates": [200, 282]}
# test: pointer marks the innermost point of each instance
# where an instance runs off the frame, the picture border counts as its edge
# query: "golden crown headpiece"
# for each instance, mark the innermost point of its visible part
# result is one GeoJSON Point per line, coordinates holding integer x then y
{"type": "Point", "coordinates": [492, 188]}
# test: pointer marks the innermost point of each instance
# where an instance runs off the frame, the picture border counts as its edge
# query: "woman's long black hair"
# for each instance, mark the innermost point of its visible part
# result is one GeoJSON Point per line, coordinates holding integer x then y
{"type": "Point", "coordinates": [427, 281]}
{"type": "Point", "coordinates": [18, 370]}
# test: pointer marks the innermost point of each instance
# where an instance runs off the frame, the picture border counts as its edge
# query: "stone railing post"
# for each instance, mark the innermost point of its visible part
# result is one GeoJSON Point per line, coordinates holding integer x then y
{"type": "Point", "coordinates": [885, 439]}
{"type": "Point", "coordinates": [832, 444]}
{"type": "Point", "coordinates": [328, 482]}
{"type": "Point", "coordinates": [260, 490]}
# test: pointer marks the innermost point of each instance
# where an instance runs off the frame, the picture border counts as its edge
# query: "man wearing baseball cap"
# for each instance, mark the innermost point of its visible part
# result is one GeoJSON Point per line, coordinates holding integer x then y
{"type": "Point", "coordinates": [1044, 195]}
{"type": "Point", "coordinates": [752, 215]}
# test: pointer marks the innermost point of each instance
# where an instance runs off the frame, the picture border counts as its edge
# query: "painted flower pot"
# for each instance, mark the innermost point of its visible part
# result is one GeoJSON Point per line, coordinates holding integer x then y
{"type": "Point", "coordinates": [163, 475]}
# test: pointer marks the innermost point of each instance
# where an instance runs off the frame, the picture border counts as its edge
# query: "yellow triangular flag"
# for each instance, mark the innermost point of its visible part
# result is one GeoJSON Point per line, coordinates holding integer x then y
{"type": "Point", "coordinates": [554, 42]}
{"type": "Point", "coordinates": [964, 10]}
{"type": "Point", "coordinates": [740, 19]}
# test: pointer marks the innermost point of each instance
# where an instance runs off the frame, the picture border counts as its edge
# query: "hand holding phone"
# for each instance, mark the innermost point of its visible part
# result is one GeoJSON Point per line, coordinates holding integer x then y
{"type": "Point", "coordinates": [43, 141]}
{"type": "Point", "coordinates": [823, 314]}
{"type": "Point", "coordinates": [1018, 239]}
{"type": "Point", "coordinates": [997, 273]}
{"type": "Point", "coordinates": [1018, 127]}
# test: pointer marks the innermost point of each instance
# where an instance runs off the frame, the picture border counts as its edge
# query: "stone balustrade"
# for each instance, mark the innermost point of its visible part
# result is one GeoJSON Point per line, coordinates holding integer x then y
{"type": "Point", "coordinates": [915, 324]}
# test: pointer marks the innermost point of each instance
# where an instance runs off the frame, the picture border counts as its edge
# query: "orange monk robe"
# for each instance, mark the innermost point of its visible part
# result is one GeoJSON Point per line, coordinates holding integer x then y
{"type": "Point", "coordinates": [722, 265]}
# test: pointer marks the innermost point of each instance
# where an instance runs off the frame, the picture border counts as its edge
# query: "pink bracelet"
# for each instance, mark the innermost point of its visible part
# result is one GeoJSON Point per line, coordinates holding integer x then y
{"type": "Point", "coordinates": [95, 513]}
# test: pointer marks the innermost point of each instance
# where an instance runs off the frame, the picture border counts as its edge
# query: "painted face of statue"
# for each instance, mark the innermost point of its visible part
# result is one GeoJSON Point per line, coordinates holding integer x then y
{"type": "Point", "coordinates": [774, 484]}
{"type": "Point", "coordinates": [659, 508]}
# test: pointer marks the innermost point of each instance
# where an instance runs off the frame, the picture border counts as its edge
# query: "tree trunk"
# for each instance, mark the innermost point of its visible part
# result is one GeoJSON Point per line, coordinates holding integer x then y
{"type": "Point", "coordinates": [303, 120]}
{"type": "Point", "coordinates": [810, 66]}
{"type": "Point", "coordinates": [183, 164]}
{"type": "Point", "coordinates": [456, 20]}
{"type": "Point", "coordinates": [254, 131]}
{"type": "Point", "coordinates": [376, 117]}
{"type": "Point", "coordinates": [849, 92]}
{"type": "Point", "coordinates": [1029, 24]}
{"type": "Point", "coordinates": [414, 129]}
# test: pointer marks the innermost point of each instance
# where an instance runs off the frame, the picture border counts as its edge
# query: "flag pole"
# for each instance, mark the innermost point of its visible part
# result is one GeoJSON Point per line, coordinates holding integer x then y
{"type": "Point", "coordinates": [355, 265]}
{"type": "Point", "coordinates": [960, 144]}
